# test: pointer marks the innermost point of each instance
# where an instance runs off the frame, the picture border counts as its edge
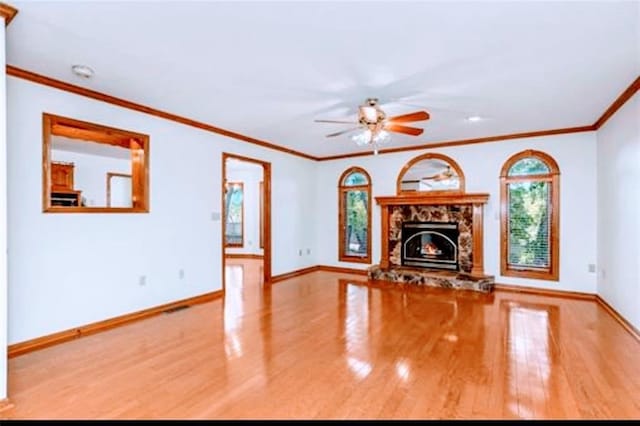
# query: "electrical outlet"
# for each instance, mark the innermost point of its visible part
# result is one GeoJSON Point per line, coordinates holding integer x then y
{"type": "Point", "coordinates": [299, 252]}
{"type": "Point", "coordinates": [142, 281]}
{"type": "Point", "coordinates": [592, 267]}
{"type": "Point", "coordinates": [308, 251]}
{"type": "Point", "coordinates": [181, 274]}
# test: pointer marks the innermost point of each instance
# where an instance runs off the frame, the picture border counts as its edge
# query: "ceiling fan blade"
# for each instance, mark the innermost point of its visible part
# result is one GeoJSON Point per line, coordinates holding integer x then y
{"type": "Point", "coordinates": [403, 129]}
{"type": "Point", "coordinates": [432, 177]}
{"type": "Point", "coordinates": [446, 174]}
{"type": "Point", "coordinates": [342, 132]}
{"type": "Point", "coordinates": [436, 178]}
{"type": "Point", "coordinates": [414, 116]}
{"type": "Point", "coordinates": [334, 121]}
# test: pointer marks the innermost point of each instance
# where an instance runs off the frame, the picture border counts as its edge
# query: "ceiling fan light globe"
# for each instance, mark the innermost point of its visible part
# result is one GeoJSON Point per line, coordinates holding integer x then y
{"type": "Point", "coordinates": [362, 138]}
{"type": "Point", "coordinates": [381, 137]}
{"type": "Point", "coordinates": [374, 126]}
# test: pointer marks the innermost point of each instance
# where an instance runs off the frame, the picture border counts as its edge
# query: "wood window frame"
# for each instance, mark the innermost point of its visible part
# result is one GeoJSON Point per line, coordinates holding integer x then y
{"type": "Point", "coordinates": [342, 189]}
{"type": "Point", "coordinates": [138, 143]}
{"type": "Point", "coordinates": [261, 207]}
{"type": "Point", "coordinates": [241, 243]}
{"type": "Point", "coordinates": [552, 273]}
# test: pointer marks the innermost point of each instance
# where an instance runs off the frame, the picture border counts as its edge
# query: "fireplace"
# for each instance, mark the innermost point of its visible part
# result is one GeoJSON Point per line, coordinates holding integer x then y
{"type": "Point", "coordinates": [432, 245]}
{"type": "Point", "coordinates": [434, 240]}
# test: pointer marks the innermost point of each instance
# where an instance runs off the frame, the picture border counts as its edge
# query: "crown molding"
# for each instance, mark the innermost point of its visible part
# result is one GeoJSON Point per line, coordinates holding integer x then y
{"type": "Point", "coordinates": [8, 13]}
{"type": "Point", "coordinates": [61, 85]}
{"type": "Point", "coordinates": [467, 141]}
{"type": "Point", "coordinates": [617, 104]}
{"type": "Point", "coordinates": [72, 88]}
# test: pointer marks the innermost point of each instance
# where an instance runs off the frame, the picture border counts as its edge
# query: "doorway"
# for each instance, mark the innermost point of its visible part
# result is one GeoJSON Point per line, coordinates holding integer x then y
{"type": "Point", "coordinates": [246, 214]}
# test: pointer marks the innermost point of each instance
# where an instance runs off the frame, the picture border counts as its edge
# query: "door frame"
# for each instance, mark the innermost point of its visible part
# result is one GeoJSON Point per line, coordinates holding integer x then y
{"type": "Point", "coordinates": [266, 223]}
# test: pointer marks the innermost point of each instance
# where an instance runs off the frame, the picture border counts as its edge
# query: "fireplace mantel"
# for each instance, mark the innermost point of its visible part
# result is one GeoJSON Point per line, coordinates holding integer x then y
{"type": "Point", "coordinates": [420, 199]}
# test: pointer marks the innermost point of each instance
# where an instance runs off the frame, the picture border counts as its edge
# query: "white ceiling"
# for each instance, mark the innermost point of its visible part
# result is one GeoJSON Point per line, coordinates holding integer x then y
{"type": "Point", "coordinates": [268, 69]}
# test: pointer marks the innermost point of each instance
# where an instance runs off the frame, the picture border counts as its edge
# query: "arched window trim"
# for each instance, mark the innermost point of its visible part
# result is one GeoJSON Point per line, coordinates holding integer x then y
{"type": "Point", "coordinates": [342, 257]}
{"type": "Point", "coordinates": [427, 156]}
{"type": "Point", "coordinates": [530, 153]}
{"type": "Point", "coordinates": [553, 176]}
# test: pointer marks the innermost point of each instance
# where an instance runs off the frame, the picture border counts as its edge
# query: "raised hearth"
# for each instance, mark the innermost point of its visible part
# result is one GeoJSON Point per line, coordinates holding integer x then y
{"type": "Point", "coordinates": [420, 276]}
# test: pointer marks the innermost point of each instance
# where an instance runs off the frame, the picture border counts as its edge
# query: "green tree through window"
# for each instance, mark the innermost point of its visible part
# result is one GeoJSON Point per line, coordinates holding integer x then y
{"type": "Point", "coordinates": [357, 223]}
{"type": "Point", "coordinates": [529, 222]}
{"type": "Point", "coordinates": [234, 214]}
{"type": "Point", "coordinates": [355, 216]}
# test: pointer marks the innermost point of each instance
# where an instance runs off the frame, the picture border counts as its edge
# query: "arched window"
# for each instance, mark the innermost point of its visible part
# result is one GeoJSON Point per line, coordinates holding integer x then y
{"type": "Point", "coordinates": [354, 191]}
{"type": "Point", "coordinates": [529, 219]}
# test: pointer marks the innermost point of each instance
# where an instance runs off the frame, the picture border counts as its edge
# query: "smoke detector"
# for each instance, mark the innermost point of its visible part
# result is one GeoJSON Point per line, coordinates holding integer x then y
{"type": "Point", "coordinates": [82, 71]}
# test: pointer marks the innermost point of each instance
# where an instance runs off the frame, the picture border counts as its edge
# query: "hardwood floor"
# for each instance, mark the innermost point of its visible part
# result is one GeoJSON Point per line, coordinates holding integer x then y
{"type": "Point", "coordinates": [329, 345]}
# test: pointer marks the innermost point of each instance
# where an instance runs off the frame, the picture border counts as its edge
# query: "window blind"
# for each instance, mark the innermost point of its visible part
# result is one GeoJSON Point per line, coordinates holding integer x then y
{"type": "Point", "coordinates": [529, 224]}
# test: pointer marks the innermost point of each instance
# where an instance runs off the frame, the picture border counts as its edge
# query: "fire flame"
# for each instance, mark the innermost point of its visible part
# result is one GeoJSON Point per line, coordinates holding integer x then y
{"type": "Point", "coordinates": [431, 248]}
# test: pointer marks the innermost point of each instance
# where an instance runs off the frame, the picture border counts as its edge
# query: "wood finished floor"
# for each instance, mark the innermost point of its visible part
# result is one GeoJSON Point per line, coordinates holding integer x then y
{"type": "Point", "coordinates": [327, 345]}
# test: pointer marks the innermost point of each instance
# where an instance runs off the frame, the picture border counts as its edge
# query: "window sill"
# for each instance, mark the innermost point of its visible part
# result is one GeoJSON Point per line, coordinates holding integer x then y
{"type": "Point", "coordinates": [355, 259]}
{"type": "Point", "coordinates": [60, 209]}
{"type": "Point", "coordinates": [530, 273]}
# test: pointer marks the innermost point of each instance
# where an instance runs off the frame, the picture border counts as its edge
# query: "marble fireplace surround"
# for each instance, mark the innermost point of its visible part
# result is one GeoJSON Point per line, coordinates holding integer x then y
{"type": "Point", "coordinates": [465, 209]}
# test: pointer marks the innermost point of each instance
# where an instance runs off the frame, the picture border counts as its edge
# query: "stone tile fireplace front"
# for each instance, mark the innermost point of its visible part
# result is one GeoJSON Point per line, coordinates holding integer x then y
{"type": "Point", "coordinates": [433, 240]}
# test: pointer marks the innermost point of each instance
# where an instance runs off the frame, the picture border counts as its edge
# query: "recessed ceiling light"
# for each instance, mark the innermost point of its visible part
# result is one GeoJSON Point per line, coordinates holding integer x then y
{"type": "Point", "coordinates": [474, 118]}
{"type": "Point", "coordinates": [82, 71]}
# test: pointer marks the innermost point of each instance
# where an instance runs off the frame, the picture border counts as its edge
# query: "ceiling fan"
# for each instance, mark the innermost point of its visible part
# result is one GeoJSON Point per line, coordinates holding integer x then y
{"type": "Point", "coordinates": [375, 124]}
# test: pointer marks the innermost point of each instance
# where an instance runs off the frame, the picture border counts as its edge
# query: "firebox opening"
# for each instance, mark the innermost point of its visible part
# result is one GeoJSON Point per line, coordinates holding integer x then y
{"type": "Point", "coordinates": [432, 245]}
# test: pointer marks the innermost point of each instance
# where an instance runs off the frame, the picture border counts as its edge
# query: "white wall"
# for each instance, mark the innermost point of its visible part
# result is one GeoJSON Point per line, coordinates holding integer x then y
{"type": "Point", "coordinates": [67, 270]}
{"type": "Point", "coordinates": [619, 210]}
{"type": "Point", "coordinates": [45, 296]}
{"type": "Point", "coordinates": [481, 164]}
{"type": "Point", "coordinates": [90, 173]}
{"type": "Point", "coordinates": [250, 176]}
{"type": "Point", "coordinates": [3, 218]}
